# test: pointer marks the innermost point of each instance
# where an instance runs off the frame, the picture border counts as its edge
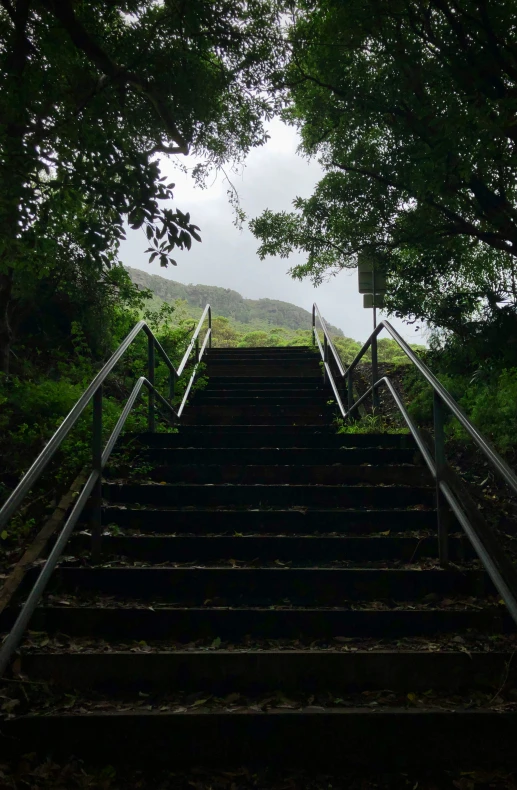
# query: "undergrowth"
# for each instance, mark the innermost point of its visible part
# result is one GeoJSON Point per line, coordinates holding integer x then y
{"type": "Point", "coordinates": [43, 389]}
{"type": "Point", "coordinates": [487, 395]}
{"type": "Point", "coordinates": [371, 423]}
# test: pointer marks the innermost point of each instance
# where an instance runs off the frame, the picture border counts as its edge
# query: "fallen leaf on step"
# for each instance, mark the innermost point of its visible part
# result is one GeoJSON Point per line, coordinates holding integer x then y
{"type": "Point", "coordinates": [10, 705]}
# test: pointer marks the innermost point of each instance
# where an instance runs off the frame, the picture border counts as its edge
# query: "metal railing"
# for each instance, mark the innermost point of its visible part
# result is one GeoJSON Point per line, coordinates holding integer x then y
{"type": "Point", "coordinates": [449, 491]}
{"type": "Point", "coordinates": [100, 456]}
{"type": "Point", "coordinates": [328, 346]}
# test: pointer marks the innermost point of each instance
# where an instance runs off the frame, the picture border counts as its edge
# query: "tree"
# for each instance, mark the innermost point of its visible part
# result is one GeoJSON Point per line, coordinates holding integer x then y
{"type": "Point", "coordinates": [410, 106]}
{"type": "Point", "coordinates": [92, 93]}
{"type": "Point", "coordinates": [224, 334]}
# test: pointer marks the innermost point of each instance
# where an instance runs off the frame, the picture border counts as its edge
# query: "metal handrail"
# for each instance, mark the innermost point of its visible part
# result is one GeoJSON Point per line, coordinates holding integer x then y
{"type": "Point", "coordinates": [505, 583]}
{"type": "Point", "coordinates": [193, 343]}
{"type": "Point", "coordinates": [486, 448]}
{"type": "Point", "coordinates": [100, 458]}
{"type": "Point", "coordinates": [326, 339]}
{"type": "Point", "coordinates": [507, 587]}
{"type": "Point", "coordinates": [41, 462]}
{"type": "Point", "coordinates": [16, 633]}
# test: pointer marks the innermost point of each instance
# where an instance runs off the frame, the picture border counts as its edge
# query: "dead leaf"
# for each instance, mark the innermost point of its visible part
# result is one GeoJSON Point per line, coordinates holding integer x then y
{"type": "Point", "coordinates": [10, 705]}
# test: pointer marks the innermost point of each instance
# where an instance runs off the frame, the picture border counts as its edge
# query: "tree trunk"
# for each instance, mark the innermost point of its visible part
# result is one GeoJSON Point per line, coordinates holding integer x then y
{"type": "Point", "coordinates": [6, 286]}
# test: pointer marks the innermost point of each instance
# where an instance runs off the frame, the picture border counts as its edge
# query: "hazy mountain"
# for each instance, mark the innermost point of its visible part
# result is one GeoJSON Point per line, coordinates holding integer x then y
{"type": "Point", "coordinates": [252, 313]}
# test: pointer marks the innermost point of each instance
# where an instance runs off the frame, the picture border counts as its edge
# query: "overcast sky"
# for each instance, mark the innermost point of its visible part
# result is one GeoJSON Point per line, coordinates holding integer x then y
{"type": "Point", "coordinates": [274, 175]}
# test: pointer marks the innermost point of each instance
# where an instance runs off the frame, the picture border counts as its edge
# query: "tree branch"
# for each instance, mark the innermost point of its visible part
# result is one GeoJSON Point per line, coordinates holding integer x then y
{"type": "Point", "coordinates": [165, 149]}
{"type": "Point", "coordinates": [459, 226]}
{"type": "Point", "coordinates": [64, 12]}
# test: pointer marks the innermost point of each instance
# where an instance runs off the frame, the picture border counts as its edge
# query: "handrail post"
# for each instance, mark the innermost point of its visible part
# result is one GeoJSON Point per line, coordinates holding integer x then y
{"type": "Point", "coordinates": [197, 349]}
{"type": "Point", "coordinates": [210, 327]}
{"type": "Point", "coordinates": [150, 376]}
{"type": "Point", "coordinates": [96, 500]}
{"type": "Point", "coordinates": [375, 373]}
{"type": "Point", "coordinates": [313, 325]}
{"type": "Point", "coordinates": [439, 457]}
{"type": "Point", "coordinates": [325, 358]}
{"type": "Point", "coordinates": [350, 388]}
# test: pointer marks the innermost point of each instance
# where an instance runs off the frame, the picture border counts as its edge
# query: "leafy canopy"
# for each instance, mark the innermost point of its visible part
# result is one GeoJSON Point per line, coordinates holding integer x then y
{"type": "Point", "coordinates": [410, 106]}
{"type": "Point", "coordinates": [92, 93]}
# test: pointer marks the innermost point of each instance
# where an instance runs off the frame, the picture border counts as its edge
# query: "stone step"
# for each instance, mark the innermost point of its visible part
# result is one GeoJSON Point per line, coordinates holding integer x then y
{"type": "Point", "coordinates": [308, 549]}
{"type": "Point", "coordinates": [314, 414]}
{"type": "Point", "coordinates": [310, 671]}
{"type": "Point", "coordinates": [375, 456]}
{"type": "Point", "coordinates": [336, 739]}
{"type": "Point", "coordinates": [296, 474]}
{"type": "Point", "coordinates": [258, 495]}
{"type": "Point", "coordinates": [255, 586]}
{"type": "Point", "coordinates": [243, 436]}
{"type": "Point", "coordinates": [184, 624]}
{"type": "Point", "coordinates": [303, 520]}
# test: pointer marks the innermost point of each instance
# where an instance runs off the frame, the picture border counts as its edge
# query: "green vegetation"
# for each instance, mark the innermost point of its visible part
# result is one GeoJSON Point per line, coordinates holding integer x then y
{"type": "Point", "coordinates": [91, 94]}
{"type": "Point", "coordinates": [34, 401]}
{"type": "Point", "coordinates": [371, 423]}
{"type": "Point", "coordinates": [410, 109]}
{"type": "Point", "coordinates": [486, 392]}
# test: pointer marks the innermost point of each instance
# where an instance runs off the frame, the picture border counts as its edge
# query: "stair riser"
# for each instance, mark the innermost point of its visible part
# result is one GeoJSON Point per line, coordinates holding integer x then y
{"type": "Point", "coordinates": [218, 391]}
{"type": "Point", "coordinates": [336, 740]}
{"type": "Point", "coordinates": [257, 672]}
{"type": "Point", "coordinates": [270, 496]}
{"type": "Point", "coordinates": [258, 410]}
{"type": "Point", "coordinates": [256, 386]}
{"type": "Point", "coordinates": [304, 362]}
{"type": "Point", "coordinates": [310, 550]}
{"type": "Point", "coordinates": [261, 401]}
{"type": "Point", "coordinates": [260, 436]}
{"type": "Point", "coordinates": [263, 360]}
{"type": "Point", "coordinates": [266, 351]}
{"type": "Point", "coordinates": [270, 522]}
{"type": "Point", "coordinates": [266, 371]}
{"type": "Point", "coordinates": [262, 381]}
{"type": "Point", "coordinates": [263, 586]}
{"type": "Point", "coordinates": [185, 625]}
{"type": "Point", "coordinates": [270, 417]}
{"type": "Point", "coordinates": [296, 475]}
{"type": "Point", "coordinates": [273, 456]}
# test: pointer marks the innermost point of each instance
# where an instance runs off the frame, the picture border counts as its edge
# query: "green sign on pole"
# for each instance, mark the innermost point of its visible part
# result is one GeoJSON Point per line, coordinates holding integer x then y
{"type": "Point", "coordinates": [369, 280]}
{"type": "Point", "coordinates": [373, 300]}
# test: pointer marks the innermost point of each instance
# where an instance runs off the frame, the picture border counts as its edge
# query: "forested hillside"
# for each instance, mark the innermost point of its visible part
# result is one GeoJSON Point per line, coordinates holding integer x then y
{"type": "Point", "coordinates": [254, 313]}
{"type": "Point", "coordinates": [239, 322]}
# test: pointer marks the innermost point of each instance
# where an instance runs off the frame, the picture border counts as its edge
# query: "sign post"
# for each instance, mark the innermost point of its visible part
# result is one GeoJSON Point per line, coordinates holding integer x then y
{"type": "Point", "coordinates": [372, 283]}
